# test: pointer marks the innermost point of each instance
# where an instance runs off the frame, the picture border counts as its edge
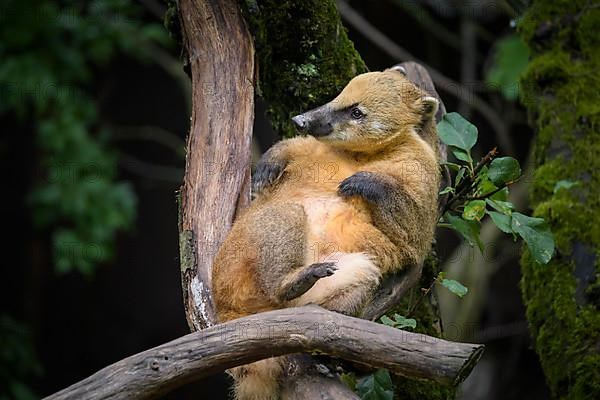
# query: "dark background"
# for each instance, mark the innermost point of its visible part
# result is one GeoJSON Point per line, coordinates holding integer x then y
{"type": "Point", "coordinates": [80, 324]}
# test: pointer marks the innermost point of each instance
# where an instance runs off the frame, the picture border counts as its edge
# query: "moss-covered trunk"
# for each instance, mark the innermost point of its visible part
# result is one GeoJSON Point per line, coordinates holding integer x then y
{"type": "Point", "coordinates": [561, 90]}
{"type": "Point", "coordinates": [304, 60]}
{"type": "Point", "coordinates": [304, 55]}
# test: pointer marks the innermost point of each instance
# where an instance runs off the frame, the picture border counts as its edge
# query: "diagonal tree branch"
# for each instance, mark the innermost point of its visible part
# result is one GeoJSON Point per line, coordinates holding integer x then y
{"type": "Point", "coordinates": [292, 330]}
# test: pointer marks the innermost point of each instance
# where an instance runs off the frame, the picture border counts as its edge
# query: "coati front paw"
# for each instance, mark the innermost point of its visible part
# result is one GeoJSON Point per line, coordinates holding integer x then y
{"type": "Point", "coordinates": [265, 174]}
{"type": "Point", "coordinates": [308, 278]}
{"type": "Point", "coordinates": [364, 184]}
{"type": "Point", "coordinates": [322, 270]}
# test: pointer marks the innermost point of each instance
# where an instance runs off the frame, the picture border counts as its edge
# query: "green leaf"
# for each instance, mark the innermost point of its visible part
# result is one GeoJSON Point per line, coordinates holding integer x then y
{"type": "Point", "coordinates": [451, 165]}
{"type": "Point", "coordinates": [402, 322]}
{"type": "Point", "coordinates": [459, 176]}
{"type": "Point", "coordinates": [536, 234]}
{"type": "Point", "coordinates": [503, 170]}
{"type": "Point", "coordinates": [456, 131]}
{"type": "Point", "coordinates": [564, 184]}
{"type": "Point", "coordinates": [455, 287]}
{"type": "Point", "coordinates": [485, 186]}
{"type": "Point", "coordinates": [386, 320]}
{"type": "Point", "coordinates": [447, 189]}
{"type": "Point", "coordinates": [505, 207]}
{"type": "Point", "coordinates": [462, 155]}
{"type": "Point", "coordinates": [377, 386]}
{"type": "Point", "coordinates": [501, 195]}
{"type": "Point", "coordinates": [399, 321]}
{"type": "Point", "coordinates": [474, 210]}
{"type": "Point", "coordinates": [503, 222]}
{"type": "Point", "coordinates": [468, 229]}
{"type": "Point", "coordinates": [511, 59]}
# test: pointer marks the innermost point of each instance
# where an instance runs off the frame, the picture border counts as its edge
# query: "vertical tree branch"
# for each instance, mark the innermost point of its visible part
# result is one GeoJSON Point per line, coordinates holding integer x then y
{"type": "Point", "coordinates": [217, 175]}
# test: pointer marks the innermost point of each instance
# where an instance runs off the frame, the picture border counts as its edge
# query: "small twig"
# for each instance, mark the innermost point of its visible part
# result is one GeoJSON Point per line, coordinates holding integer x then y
{"type": "Point", "coordinates": [420, 300]}
{"type": "Point", "coordinates": [423, 17]}
{"type": "Point", "coordinates": [150, 171]}
{"type": "Point", "coordinates": [468, 183]}
{"type": "Point", "coordinates": [485, 160]}
{"type": "Point", "coordinates": [150, 133]}
{"type": "Point", "coordinates": [493, 192]}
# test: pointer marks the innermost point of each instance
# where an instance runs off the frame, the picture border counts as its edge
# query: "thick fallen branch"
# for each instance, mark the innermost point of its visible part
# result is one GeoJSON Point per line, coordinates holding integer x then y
{"type": "Point", "coordinates": [292, 330]}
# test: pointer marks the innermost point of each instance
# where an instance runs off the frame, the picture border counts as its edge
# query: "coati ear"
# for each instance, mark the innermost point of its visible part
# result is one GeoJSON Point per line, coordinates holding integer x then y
{"type": "Point", "coordinates": [430, 107]}
{"type": "Point", "coordinates": [398, 68]}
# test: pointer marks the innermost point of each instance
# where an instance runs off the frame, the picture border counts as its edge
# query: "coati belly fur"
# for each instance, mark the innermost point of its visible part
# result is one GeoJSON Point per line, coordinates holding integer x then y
{"type": "Point", "coordinates": [334, 211]}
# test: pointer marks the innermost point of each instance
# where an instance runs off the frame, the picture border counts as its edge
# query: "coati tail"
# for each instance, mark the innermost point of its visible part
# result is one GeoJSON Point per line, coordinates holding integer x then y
{"type": "Point", "coordinates": [259, 380]}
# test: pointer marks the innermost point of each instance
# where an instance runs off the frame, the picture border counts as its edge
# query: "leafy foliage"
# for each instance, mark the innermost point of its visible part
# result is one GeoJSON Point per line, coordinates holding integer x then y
{"type": "Point", "coordinates": [49, 53]}
{"type": "Point", "coordinates": [18, 361]}
{"type": "Point", "coordinates": [455, 287]}
{"type": "Point", "coordinates": [399, 321]}
{"type": "Point", "coordinates": [510, 61]}
{"type": "Point", "coordinates": [377, 386]}
{"type": "Point", "coordinates": [483, 189]}
{"type": "Point", "coordinates": [504, 170]}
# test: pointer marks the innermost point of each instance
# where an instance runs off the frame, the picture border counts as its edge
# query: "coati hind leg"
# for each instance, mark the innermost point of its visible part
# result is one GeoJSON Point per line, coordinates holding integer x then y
{"type": "Point", "coordinates": [280, 237]}
{"type": "Point", "coordinates": [306, 279]}
{"type": "Point", "coordinates": [349, 289]}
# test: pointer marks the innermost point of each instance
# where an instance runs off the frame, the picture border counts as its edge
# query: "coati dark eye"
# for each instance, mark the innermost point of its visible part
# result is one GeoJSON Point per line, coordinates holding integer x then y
{"type": "Point", "coordinates": [356, 113]}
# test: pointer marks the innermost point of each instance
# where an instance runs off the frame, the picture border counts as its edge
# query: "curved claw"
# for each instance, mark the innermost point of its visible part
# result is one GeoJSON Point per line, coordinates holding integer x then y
{"type": "Point", "coordinates": [265, 175]}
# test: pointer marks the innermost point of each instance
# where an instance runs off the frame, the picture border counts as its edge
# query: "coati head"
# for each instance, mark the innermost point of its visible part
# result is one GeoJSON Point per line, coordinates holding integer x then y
{"type": "Point", "coordinates": [373, 110]}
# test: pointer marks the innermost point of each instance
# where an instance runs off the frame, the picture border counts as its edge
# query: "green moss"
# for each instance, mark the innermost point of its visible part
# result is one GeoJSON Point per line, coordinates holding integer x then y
{"type": "Point", "coordinates": [304, 56]}
{"type": "Point", "coordinates": [561, 90]}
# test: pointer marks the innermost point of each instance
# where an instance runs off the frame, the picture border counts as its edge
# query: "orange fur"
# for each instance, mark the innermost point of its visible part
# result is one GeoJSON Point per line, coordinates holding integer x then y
{"type": "Point", "coordinates": [301, 219]}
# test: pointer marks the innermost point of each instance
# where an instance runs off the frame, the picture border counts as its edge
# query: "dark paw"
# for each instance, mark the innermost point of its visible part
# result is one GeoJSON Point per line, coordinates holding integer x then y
{"type": "Point", "coordinates": [322, 270]}
{"type": "Point", "coordinates": [364, 184]}
{"type": "Point", "coordinates": [265, 175]}
{"type": "Point", "coordinates": [308, 278]}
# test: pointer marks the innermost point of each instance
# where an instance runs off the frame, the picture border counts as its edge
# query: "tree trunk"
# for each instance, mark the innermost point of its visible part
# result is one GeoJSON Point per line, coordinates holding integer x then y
{"type": "Point", "coordinates": [304, 56]}
{"type": "Point", "coordinates": [217, 169]}
{"type": "Point", "coordinates": [562, 93]}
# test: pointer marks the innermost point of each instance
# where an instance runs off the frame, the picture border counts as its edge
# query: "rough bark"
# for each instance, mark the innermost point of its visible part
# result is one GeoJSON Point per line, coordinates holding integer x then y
{"type": "Point", "coordinates": [562, 93]}
{"type": "Point", "coordinates": [292, 330]}
{"type": "Point", "coordinates": [217, 169]}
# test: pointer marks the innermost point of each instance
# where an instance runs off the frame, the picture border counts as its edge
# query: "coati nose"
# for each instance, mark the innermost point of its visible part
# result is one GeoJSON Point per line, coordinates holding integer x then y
{"type": "Point", "coordinates": [300, 122]}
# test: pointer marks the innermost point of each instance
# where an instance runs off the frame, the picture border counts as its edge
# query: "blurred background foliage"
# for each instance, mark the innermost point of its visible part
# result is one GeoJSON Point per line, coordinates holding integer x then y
{"type": "Point", "coordinates": [94, 106]}
{"type": "Point", "coordinates": [51, 51]}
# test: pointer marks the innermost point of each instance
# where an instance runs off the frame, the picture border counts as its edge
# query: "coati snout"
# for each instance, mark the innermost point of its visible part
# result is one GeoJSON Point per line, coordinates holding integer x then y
{"type": "Point", "coordinates": [321, 121]}
{"type": "Point", "coordinates": [316, 122]}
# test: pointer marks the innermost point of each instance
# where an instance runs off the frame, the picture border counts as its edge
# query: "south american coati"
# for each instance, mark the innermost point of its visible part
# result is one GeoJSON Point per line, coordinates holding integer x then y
{"type": "Point", "coordinates": [335, 211]}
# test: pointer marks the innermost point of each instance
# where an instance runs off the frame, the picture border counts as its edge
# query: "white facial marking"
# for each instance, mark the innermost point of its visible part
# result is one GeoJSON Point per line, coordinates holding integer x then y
{"type": "Point", "coordinates": [377, 126]}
